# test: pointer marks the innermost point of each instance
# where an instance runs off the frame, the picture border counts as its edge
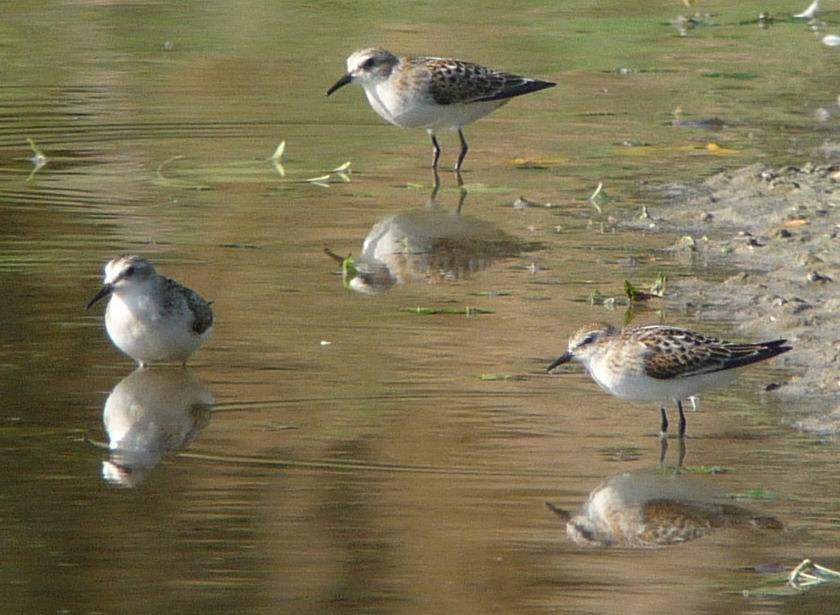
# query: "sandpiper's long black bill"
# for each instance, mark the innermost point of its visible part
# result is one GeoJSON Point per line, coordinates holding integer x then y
{"type": "Point", "coordinates": [345, 79]}
{"type": "Point", "coordinates": [103, 292]}
{"type": "Point", "coordinates": [563, 358]}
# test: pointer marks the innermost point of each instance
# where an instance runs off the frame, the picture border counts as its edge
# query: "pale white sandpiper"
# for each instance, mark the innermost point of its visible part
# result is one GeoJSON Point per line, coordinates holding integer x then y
{"type": "Point", "coordinates": [150, 317]}
{"type": "Point", "coordinates": [432, 93]}
{"type": "Point", "coordinates": [659, 363]}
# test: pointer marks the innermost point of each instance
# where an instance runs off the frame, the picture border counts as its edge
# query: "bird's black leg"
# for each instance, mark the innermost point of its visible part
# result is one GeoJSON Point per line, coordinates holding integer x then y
{"type": "Point", "coordinates": [464, 149]}
{"type": "Point", "coordinates": [682, 419]}
{"type": "Point", "coordinates": [663, 429]}
{"type": "Point", "coordinates": [461, 198]}
{"type": "Point", "coordinates": [435, 188]}
{"type": "Point", "coordinates": [681, 456]}
{"type": "Point", "coordinates": [663, 449]}
{"type": "Point", "coordinates": [437, 150]}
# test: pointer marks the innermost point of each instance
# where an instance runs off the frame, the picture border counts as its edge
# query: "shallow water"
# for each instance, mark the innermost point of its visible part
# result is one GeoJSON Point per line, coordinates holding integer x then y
{"type": "Point", "coordinates": [361, 457]}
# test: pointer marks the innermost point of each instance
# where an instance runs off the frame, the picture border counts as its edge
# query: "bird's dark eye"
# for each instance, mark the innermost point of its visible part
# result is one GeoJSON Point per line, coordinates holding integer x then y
{"type": "Point", "coordinates": [129, 272]}
{"type": "Point", "coordinates": [587, 340]}
{"type": "Point", "coordinates": [369, 63]}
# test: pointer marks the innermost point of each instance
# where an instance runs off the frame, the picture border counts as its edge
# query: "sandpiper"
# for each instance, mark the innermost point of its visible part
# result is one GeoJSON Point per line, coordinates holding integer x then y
{"type": "Point", "coordinates": [432, 93]}
{"type": "Point", "coordinates": [151, 317]}
{"type": "Point", "coordinates": [660, 363]}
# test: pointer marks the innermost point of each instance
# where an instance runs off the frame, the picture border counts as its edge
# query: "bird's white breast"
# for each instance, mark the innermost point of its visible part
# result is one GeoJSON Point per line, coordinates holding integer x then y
{"type": "Point", "coordinates": [413, 108]}
{"type": "Point", "coordinates": [139, 326]}
{"type": "Point", "coordinates": [630, 382]}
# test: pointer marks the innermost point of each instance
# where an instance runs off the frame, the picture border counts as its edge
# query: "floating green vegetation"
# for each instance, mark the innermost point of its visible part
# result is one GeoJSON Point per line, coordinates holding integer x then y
{"type": "Point", "coordinates": [38, 159]}
{"type": "Point", "coordinates": [656, 290]}
{"type": "Point", "coordinates": [759, 493]}
{"type": "Point", "coordinates": [493, 293]}
{"type": "Point", "coordinates": [805, 576]}
{"type": "Point", "coordinates": [629, 70]}
{"type": "Point", "coordinates": [500, 377]}
{"type": "Point", "coordinates": [599, 198]}
{"type": "Point", "coordinates": [459, 311]}
{"type": "Point", "coordinates": [739, 75]}
{"type": "Point", "coordinates": [808, 574]}
{"type": "Point", "coordinates": [261, 169]}
{"type": "Point", "coordinates": [348, 267]}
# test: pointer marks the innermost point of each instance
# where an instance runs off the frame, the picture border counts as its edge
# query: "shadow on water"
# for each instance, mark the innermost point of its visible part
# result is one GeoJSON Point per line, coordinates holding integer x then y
{"type": "Point", "coordinates": [149, 413]}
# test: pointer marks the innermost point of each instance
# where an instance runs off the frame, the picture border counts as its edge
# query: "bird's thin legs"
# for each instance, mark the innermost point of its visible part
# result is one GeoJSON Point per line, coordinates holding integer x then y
{"type": "Point", "coordinates": [663, 429]}
{"type": "Point", "coordinates": [682, 419]}
{"type": "Point", "coordinates": [464, 149]}
{"type": "Point", "coordinates": [436, 147]}
{"type": "Point", "coordinates": [435, 188]}
{"type": "Point", "coordinates": [681, 455]}
{"type": "Point", "coordinates": [461, 197]}
{"type": "Point", "coordinates": [663, 449]}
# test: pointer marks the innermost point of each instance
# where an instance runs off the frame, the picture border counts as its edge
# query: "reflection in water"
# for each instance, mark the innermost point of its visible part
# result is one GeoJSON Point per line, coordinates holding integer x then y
{"type": "Point", "coordinates": [149, 413]}
{"type": "Point", "coordinates": [645, 510]}
{"type": "Point", "coordinates": [426, 245]}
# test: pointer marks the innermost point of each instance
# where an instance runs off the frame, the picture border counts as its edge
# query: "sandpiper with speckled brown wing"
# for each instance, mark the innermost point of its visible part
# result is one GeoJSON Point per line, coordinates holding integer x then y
{"type": "Point", "coordinates": [660, 363]}
{"type": "Point", "coordinates": [432, 93]}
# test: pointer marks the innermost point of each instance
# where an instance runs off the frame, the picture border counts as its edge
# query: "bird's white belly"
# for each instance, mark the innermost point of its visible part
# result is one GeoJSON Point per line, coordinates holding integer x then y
{"type": "Point", "coordinates": [635, 385]}
{"type": "Point", "coordinates": [146, 336]}
{"type": "Point", "coordinates": [422, 112]}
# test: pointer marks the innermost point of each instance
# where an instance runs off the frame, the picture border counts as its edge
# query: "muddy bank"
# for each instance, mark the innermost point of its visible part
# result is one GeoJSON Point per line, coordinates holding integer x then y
{"type": "Point", "coordinates": [779, 230]}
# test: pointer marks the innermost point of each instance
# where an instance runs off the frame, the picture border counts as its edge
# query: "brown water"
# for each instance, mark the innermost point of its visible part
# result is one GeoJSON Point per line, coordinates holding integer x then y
{"type": "Point", "coordinates": [355, 460]}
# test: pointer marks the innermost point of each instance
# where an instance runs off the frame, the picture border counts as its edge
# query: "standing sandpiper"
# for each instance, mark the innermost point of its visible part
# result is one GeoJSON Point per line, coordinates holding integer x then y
{"type": "Point", "coordinates": [150, 317]}
{"type": "Point", "coordinates": [660, 363]}
{"type": "Point", "coordinates": [432, 93]}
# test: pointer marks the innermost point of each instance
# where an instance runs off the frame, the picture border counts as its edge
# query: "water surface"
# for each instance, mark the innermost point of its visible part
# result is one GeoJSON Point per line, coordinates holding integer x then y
{"type": "Point", "coordinates": [355, 460]}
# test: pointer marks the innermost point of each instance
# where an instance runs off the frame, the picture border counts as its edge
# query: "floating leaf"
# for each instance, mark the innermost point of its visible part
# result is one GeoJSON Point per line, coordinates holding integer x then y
{"type": "Point", "coordinates": [706, 469]}
{"type": "Point", "coordinates": [658, 288]}
{"type": "Point", "coordinates": [425, 311]}
{"type": "Point", "coordinates": [740, 75]}
{"type": "Point", "coordinates": [631, 291]}
{"type": "Point", "coordinates": [320, 178]}
{"type": "Point", "coordinates": [759, 493]}
{"type": "Point", "coordinates": [278, 153]}
{"type": "Point", "coordinates": [599, 197]}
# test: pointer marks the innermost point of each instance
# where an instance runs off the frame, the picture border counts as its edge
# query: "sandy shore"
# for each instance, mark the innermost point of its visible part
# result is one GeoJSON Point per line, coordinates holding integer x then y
{"type": "Point", "coordinates": [779, 228]}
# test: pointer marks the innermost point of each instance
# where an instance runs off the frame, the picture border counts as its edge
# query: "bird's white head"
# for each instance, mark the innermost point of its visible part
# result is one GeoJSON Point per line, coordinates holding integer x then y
{"type": "Point", "coordinates": [585, 344]}
{"type": "Point", "coordinates": [123, 273]}
{"type": "Point", "coordinates": [367, 66]}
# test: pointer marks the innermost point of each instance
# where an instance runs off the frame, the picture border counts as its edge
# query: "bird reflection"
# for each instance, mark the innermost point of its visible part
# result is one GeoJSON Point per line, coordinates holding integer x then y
{"type": "Point", "coordinates": [645, 510]}
{"type": "Point", "coordinates": [425, 245]}
{"type": "Point", "coordinates": [148, 413]}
